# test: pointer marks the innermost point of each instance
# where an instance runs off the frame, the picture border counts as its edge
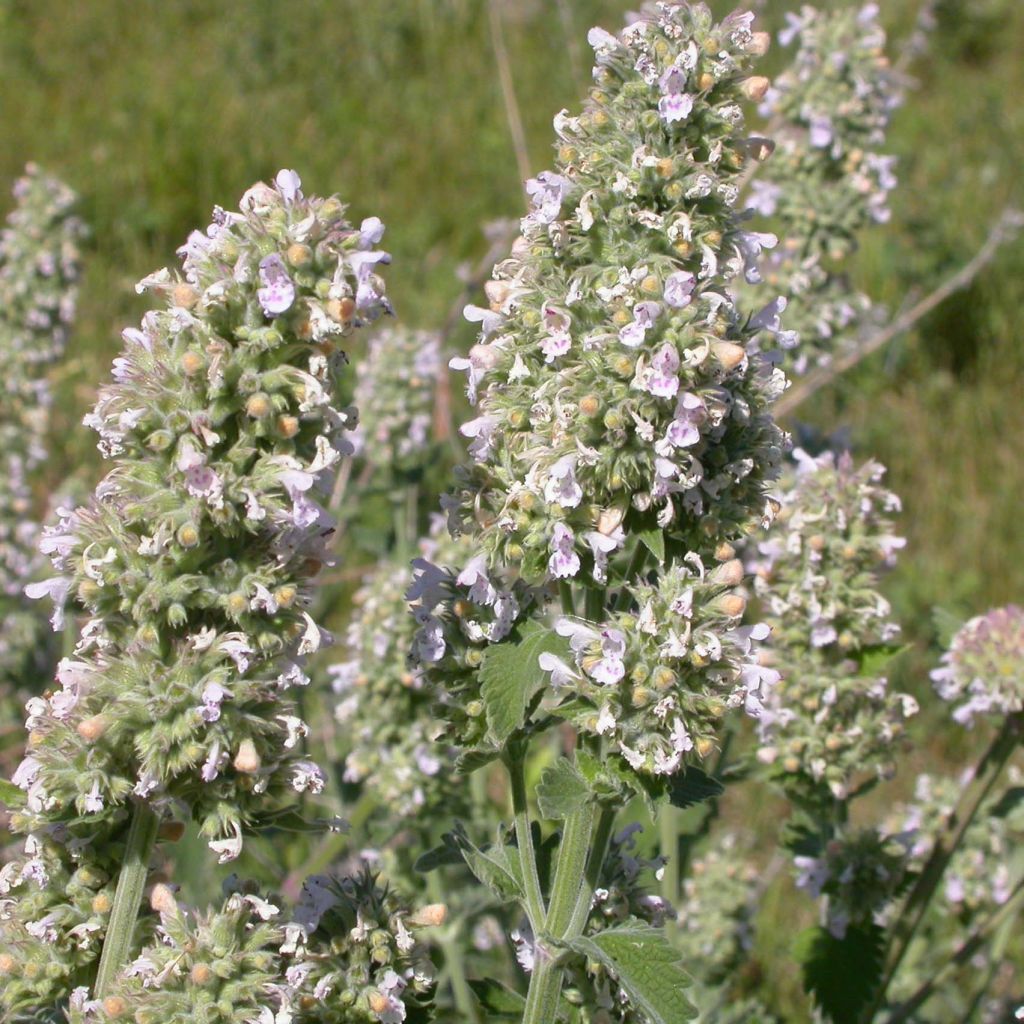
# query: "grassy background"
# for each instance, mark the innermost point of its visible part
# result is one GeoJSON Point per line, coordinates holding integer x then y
{"type": "Point", "coordinates": [156, 111]}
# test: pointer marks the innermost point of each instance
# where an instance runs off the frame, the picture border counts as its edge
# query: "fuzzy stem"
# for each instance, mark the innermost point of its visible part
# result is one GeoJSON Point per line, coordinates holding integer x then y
{"type": "Point", "coordinates": [545, 989]}
{"type": "Point", "coordinates": [128, 896]}
{"type": "Point", "coordinates": [524, 839]}
{"type": "Point", "coordinates": [598, 852]}
{"type": "Point", "coordinates": [570, 870]}
{"type": "Point", "coordinates": [963, 955]}
{"type": "Point", "coordinates": [989, 768]}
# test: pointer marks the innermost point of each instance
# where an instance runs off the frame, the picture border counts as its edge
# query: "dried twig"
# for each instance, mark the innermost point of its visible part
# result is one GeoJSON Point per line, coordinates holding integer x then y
{"type": "Point", "coordinates": [1005, 229]}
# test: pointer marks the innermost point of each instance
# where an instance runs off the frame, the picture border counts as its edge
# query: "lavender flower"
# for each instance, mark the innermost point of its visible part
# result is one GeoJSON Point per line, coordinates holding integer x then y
{"type": "Point", "coordinates": [194, 560]}
{"type": "Point", "coordinates": [983, 670]}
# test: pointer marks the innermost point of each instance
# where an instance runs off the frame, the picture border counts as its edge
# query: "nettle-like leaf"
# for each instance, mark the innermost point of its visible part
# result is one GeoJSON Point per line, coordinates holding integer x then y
{"type": "Point", "coordinates": [496, 866]}
{"type": "Point", "coordinates": [646, 966]}
{"type": "Point", "coordinates": [876, 659]}
{"type": "Point", "coordinates": [561, 790]}
{"type": "Point", "coordinates": [11, 795]}
{"type": "Point", "coordinates": [471, 760]}
{"type": "Point", "coordinates": [654, 541]}
{"type": "Point", "coordinates": [841, 974]}
{"type": "Point", "coordinates": [497, 1000]}
{"type": "Point", "coordinates": [510, 676]}
{"type": "Point", "coordinates": [692, 786]}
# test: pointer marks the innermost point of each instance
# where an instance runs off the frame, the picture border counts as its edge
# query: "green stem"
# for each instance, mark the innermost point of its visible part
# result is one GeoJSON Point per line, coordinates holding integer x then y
{"type": "Point", "coordinates": [946, 845]}
{"type": "Point", "coordinates": [595, 862]}
{"type": "Point", "coordinates": [963, 955]}
{"type": "Point", "coordinates": [545, 989]}
{"type": "Point", "coordinates": [633, 570]}
{"type": "Point", "coordinates": [131, 882]}
{"type": "Point", "coordinates": [565, 594]}
{"type": "Point", "coordinates": [570, 870]}
{"type": "Point", "coordinates": [524, 840]}
{"type": "Point", "coordinates": [668, 830]}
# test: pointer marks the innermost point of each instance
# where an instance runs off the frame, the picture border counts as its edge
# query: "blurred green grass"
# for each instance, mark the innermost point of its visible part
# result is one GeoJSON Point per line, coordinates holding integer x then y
{"type": "Point", "coordinates": [155, 112]}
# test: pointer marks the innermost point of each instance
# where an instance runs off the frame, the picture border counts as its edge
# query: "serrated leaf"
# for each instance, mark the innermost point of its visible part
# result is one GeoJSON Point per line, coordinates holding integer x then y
{"type": "Point", "coordinates": [495, 866]}
{"type": "Point", "coordinates": [11, 795]}
{"type": "Point", "coordinates": [874, 660]}
{"type": "Point", "coordinates": [647, 787]}
{"type": "Point", "coordinates": [654, 541]}
{"type": "Point", "coordinates": [500, 1002]}
{"type": "Point", "coordinates": [841, 974]}
{"type": "Point", "coordinates": [692, 786]}
{"type": "Point", "coordinates": [510, 677]}
{"type": "Point", "coordinates": [471, 760]}
{"type": "Point", "coordinates": [646, 966]}
{"type": "Point", "coordinates": [561, 790]}
{"type": "Point", "coordinates": [440, 856]}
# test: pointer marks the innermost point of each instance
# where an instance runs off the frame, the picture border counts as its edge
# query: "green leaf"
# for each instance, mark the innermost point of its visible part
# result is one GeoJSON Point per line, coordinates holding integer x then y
{"type": "Point", "coordinates": [647, 968]}
{"type": "Point", "coordinates": [500, 1002]}
{"type": "Point", "coordinates": [471, 760]}
{"type": "Point", "coordinates": [692, 786]}
{"type": "Point", "coordinates": [946, 624]}
{"type": "Point", "coordinates": [11, 795]}
{"type": "Point", "coordinates": [874, 660]}
{"type": "Point", "coordinates": [561, 790]}
{"type": "Point", "coordinates": [841, 974]}
{"type": "Point", "coordinates": [446, 854]}
{"type": "Point", "coordinates": [1007, 802]}
{"type": "Point", "coordinates": [495, 866]}
{"type": "Point", "coordinates": [654, 541]}
{"type": "Point", "coordinates": [510, 676]}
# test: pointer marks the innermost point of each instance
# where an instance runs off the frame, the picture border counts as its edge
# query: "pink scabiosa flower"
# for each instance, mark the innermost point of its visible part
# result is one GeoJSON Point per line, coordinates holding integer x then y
{"type": "Point", "coordinates": [196, 556]}
{"type": "Point", "coordinates": [982, 673]}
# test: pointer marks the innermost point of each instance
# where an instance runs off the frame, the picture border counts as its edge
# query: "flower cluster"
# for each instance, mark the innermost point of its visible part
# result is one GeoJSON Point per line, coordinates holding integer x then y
{"type": "Point", "coordinates": [827, 181]}
{"type": "Point", "coordinates": [614, 392]}
{"type": "Point", "coordinates": [983, 670]}
{"type": "Point", "coordinates": [39, 269]}
{"type": "Point", "coordinates": [618, 408]}
{"type": "Point", "coordinates": [386, 703]}
{"type": "Point", "coordinates": [833, 716]}
{"type": "Point", "coordinates": [396, 383]}
{"type": "Point", "coordinates": [716, 917]}
{"type": "Point", "coordinates": [196, 555]}
{"type": "Point", "coordinates": [350, 956]}
{"type": "Point", "coordinates": [859, 872]}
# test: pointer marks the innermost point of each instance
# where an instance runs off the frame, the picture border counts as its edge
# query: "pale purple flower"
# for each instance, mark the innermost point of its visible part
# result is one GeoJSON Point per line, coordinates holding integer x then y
{"type": "Point", "coordinates": [289, 184]}
{"type": "Point", "coordinates": [684, 430]}
{"type": "Point", "coordinates": [601, 546]}
{"type": "Point", "coordinates": [764, 197]}
{"type": "Point", "coordinates": [611, 668]}
{"type": "Point", "coordinates": [750, 244]}
{"type": "Point", "coordinates": [662, 379]}
{"type": "Point", "coordinates": [480, 431]}
{"type": "Point", "coordinates": [820, 131]}
{"type": "Point", "coordinates": [428, 643]}
{"type": "Point", "coordinates": [474, 576]}
{"type": "Point", "coordinates": [57, 589]}
{"type": "Point", "coordinates": [679, 289]}
{"type": "Point", "coordinates": [213, 695]}
{"type": "Point", "coordinates": [561, 487]}
{"type": "Point", "coordinates": [644, 315]}
{"type": "Point", "coordinates": [564, 563]}
{"type": "Point", "coordinates": [371, 231]}
{"type": "Point", "coordinates": [547, 192]}
{"type": "Point", "coordinates": [276, 292]}
{"type": "Point", "coordinates": [675, 104]}
{"type": "Point", "coordinates": [307, 777]}
{"type": "Point", "coordinates": [561, 673]}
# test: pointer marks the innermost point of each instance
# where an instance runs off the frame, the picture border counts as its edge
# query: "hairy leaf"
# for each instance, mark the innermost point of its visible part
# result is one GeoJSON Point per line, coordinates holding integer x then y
{"type": "Point", "coordinates": [495, 866]}
{"type": "Point", "coordinates": [654, 541]}
{"type": "Point", "coordinates": [841, 974]}
{"type": "Point", "coordinates": [647, 968]}
{"type": "Point", "coordinates": [510, 676]}
{"type": "Point", "coordinates": [498, 1000]}
{"type": "Point", "coordinates": [11, 795]}
{"type": "Point", "coordinates": [692, 786]}
{"type": "Point", "coordinates": [561, 790]}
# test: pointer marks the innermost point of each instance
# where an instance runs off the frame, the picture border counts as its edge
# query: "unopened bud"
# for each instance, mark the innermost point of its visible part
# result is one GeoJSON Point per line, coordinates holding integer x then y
{"type": "Point", "coordinates": [755, 87]}
{"type": "Point", "coordinates": [184, 295]}
{"type": "Point", "coordinates": [485, 356]}
{"type": "Point", "coordinates": [299, 255]}
{"type": "Point", "coordinates": [430, 916]}
{"type": "Point", "coordinates": [115, 1006]}
{"type": "Point", "coordinates": [728, 354]}
{"type": "Point", "coordinates": [497, 293]}
{"type": "Point", "coordinates": [171, 831]}
{"type": "Point", "coordinates": [6, 963]}
{"type": "Point", "coordinates": [188, 536]}
{"type": "Point", "coordinates": [201, 974]}
{"type": "Point", "coordinates": [287, 426]}
{"type": "Point", "coordinates": [706, 81]}
{"type": "Point", "coordinates": [724, 552]}
{"type": "Point", "coordinates": [91, 729]}
{"type": "Point", "coordinates": [731, 604]}
{"type": "Point", "coordinates": [590, 405]}
{"type": "Point", "coordinates": [257, 406]}
{"type": "Point", "coordinates": [247, 760]}
{"type": "Point", "coordinates": [704, 746]}
{"type": "Point", "coordinates": [728, 574]}
{"type": "Point", "coordinates": [341, 310]}
{"type": "Point", "coordinates": [101, 903]}
{"type": "Point", "coordinates": [816, 543]}
{"type": "Point", "coordinates": [192, 363]}
{"type": "Point", "coordinates": [378, 1002]}
{"type": "Point", "coordinates": [161, 899]}
{"type": "Point", "coordinates": [760, 43]}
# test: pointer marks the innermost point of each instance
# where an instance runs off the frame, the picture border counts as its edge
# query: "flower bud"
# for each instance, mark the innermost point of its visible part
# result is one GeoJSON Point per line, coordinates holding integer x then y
{"type": "Point", "coordinates": [430, 916]}
{"type": "Point", "coordinates": [729, 574]}
{"type": "Point", "coordinates": [732, 605]}
{"type": "Point", "coordinates": [755, 87]}
{"type": "Point", "coordinates": [161, 899]}
{"type": "Point", "coordinates": [728, 354]}
{"type": "Point", "coordinates": [91, 729]}
{"type": "Point", "coordinates": [247, 760]}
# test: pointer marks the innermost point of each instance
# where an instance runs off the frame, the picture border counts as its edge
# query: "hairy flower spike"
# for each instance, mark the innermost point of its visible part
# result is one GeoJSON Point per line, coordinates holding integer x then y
{"type": "Point", "coordinates": [983, 670]}
{"type": "Point", "coordinates": [207, 515]}
{"type": "Point", "coordinates": [829, 721]}
{"type": "Point", "coordinates": [827, 181]}
{"type": "Point", "coordinates": [39, 269]}
{"type": "Point", "coordinates": [616, 403]}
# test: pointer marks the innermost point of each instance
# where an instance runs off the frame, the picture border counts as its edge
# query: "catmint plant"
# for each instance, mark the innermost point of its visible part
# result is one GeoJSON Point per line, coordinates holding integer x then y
{"type": "Point", "coordinates": [622, 443]}
{"type": "Point", "coordinates": [828, 113]}
{"type": "Point", "coordinates": [194, 561]}
{"type": "Point", "coordinates": [39, 269]}
{"type": "Point", "coordinates": [832, 723]}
